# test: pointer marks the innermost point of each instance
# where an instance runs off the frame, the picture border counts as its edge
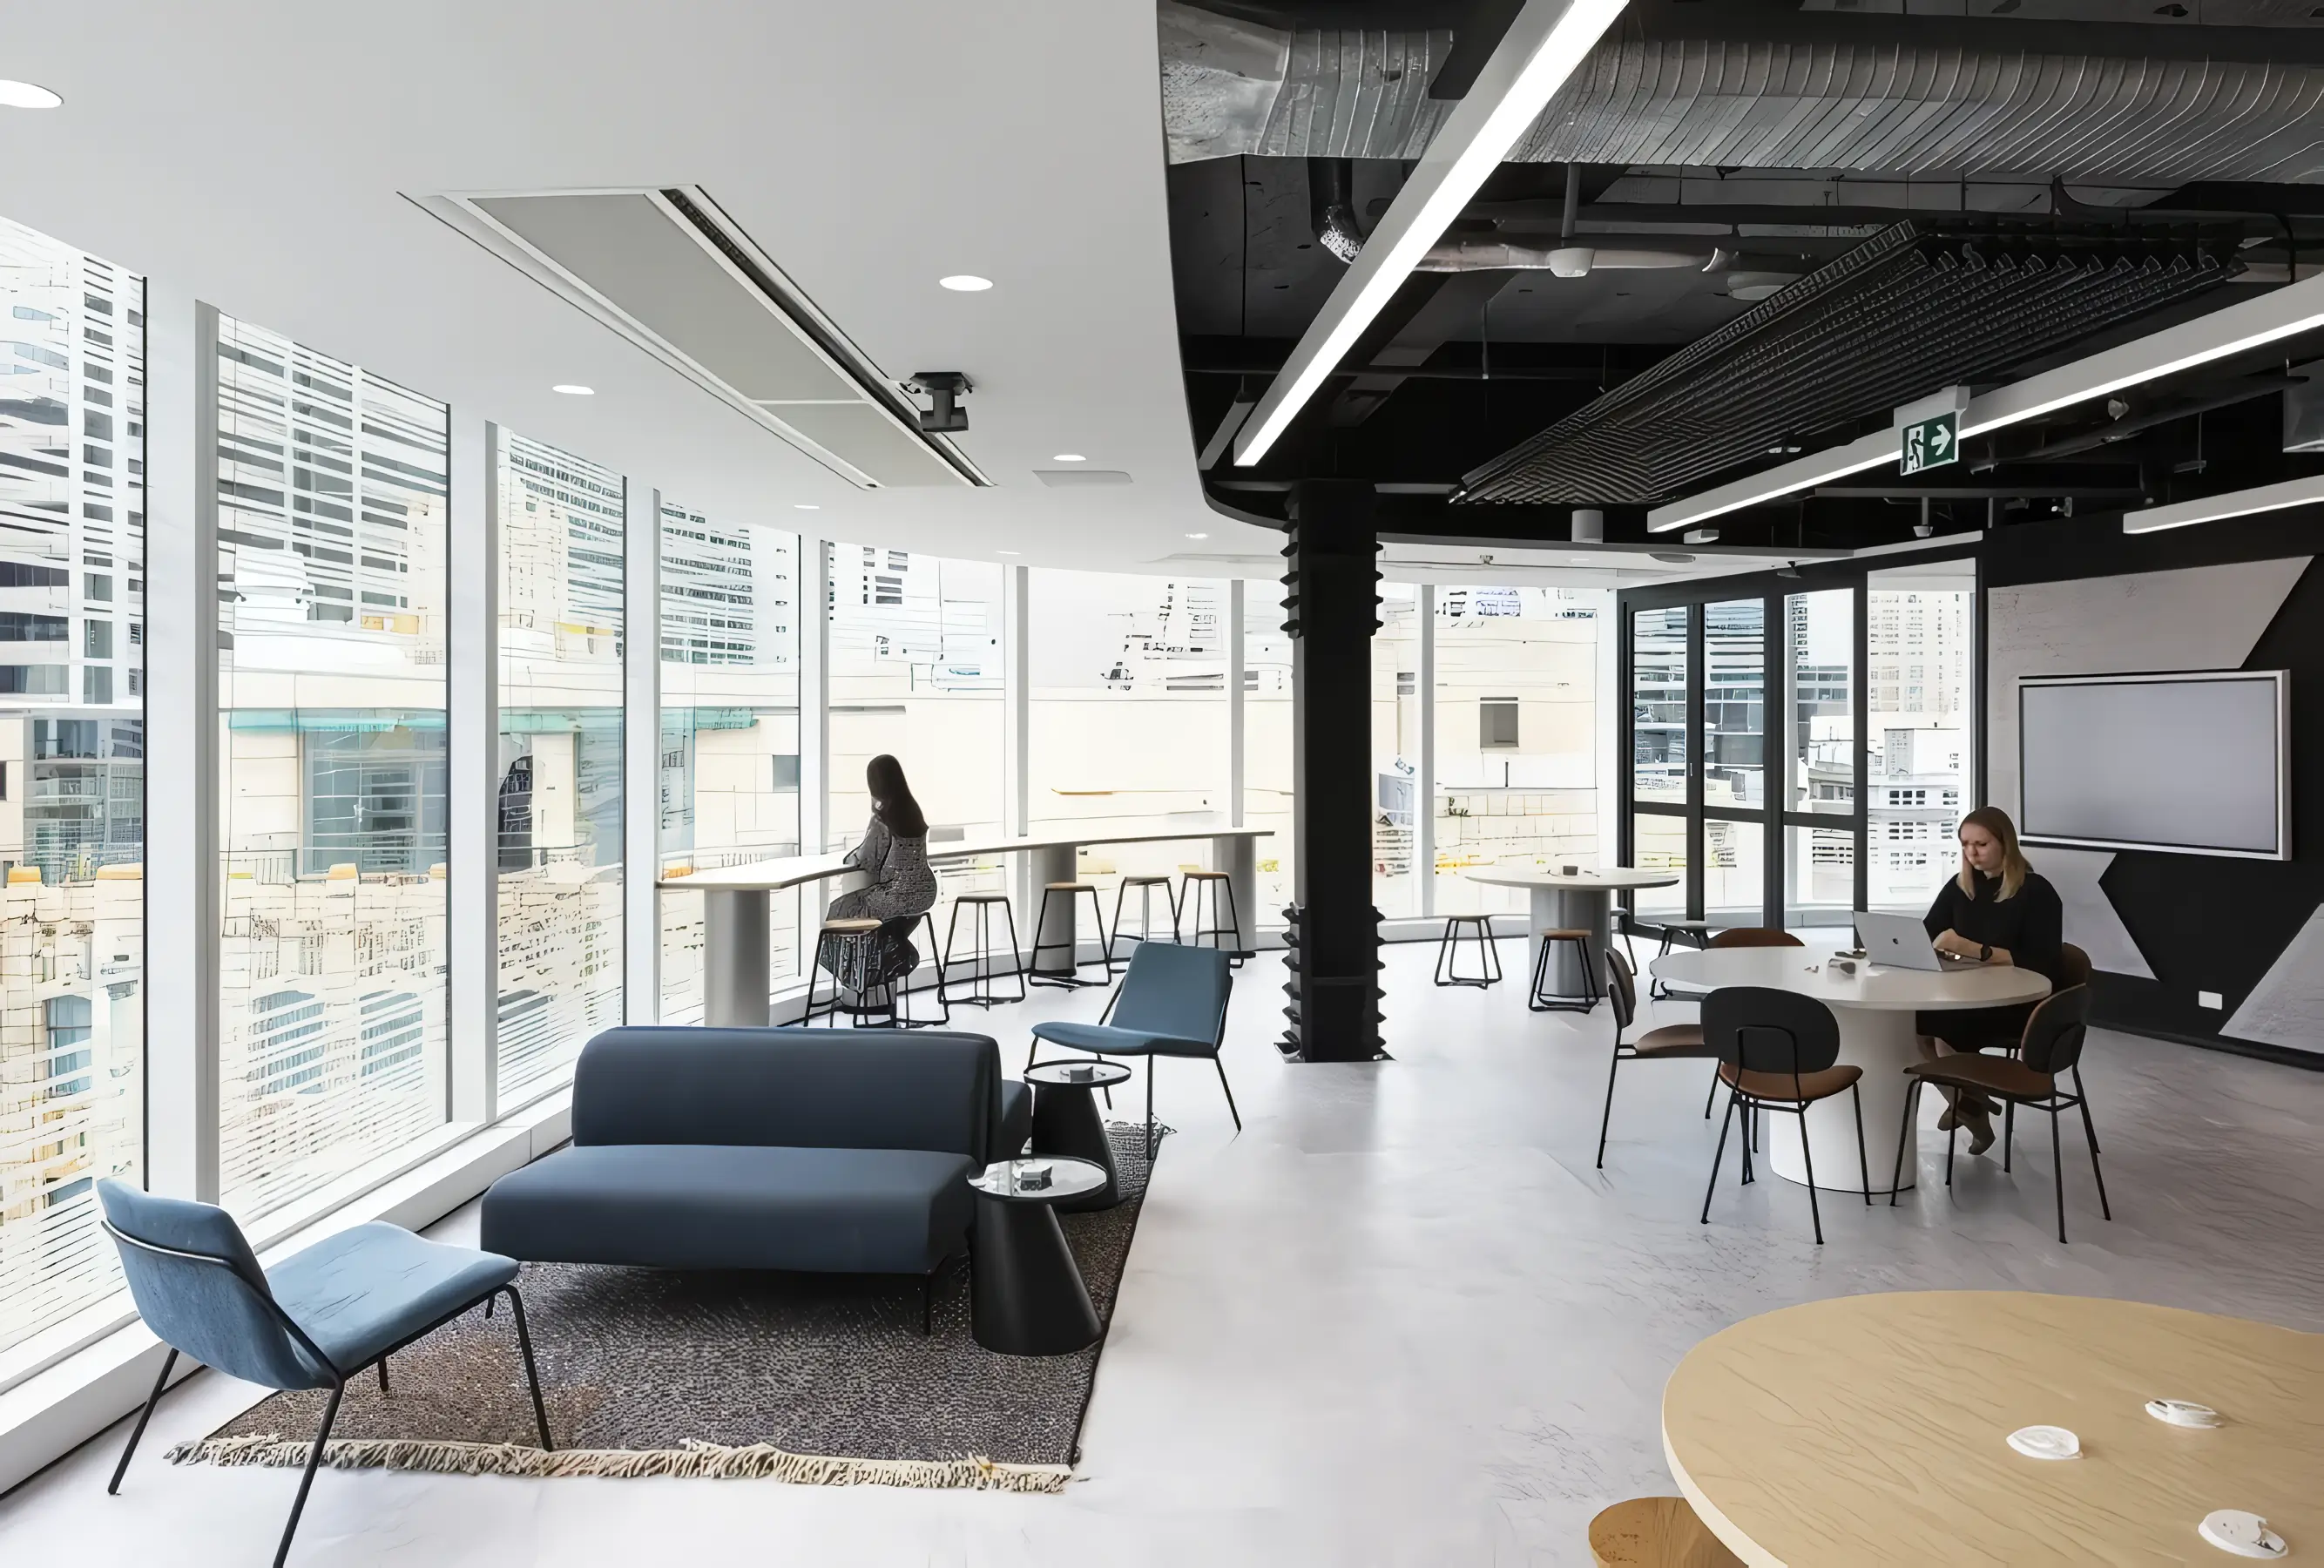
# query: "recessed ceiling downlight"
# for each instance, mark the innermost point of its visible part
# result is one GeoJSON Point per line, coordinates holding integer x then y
{"type": "Point", "coordinates": [574, 390]}
{"type": "Point", "coordinates": [16, 95]}
{"type": "Point", "coordinates": [1069, 457]}
{"type": "Point", "coordinates": [805, 506]}
{"type": "Point", "coordinates": [966, 283]}
{"type": "Point", "coordinates": [1198, 535]}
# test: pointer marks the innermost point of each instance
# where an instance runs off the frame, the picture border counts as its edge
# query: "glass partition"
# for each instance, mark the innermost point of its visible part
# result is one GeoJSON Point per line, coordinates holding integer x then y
{"type": "Point", "coordinates": [728, 775]}
{"type": "Point", "coordinates": [560, 794]}
{"type": "Point", "coordinates": [915, 672]}
{"type": "Point", "coordinates": [1517, 743]}
{"type": "Point", "coordinates": [331, 491]}
{"type": "Point", "coordinates": [1129, 703]}
{"type": "Point", "coordinates": [1919, 662]}
{"type": "Point", "coordinates": [1396, 751]}
{"type": "Point", "coordinates": [73, 769]}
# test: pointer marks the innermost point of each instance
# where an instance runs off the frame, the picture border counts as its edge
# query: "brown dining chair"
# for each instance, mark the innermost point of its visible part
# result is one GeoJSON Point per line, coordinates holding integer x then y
{"type": "Point", "coordinates": [2052, 1045]}
{"type": "Point", "coordinates": [2073, 969]}
{"type": "Point", "coordinates": [1655, 1533]}
{"type": "Point", "coordinates": [1754, 937]}
{"type": "Point", "coordinates": [1672, 1042]}
{"type": "Point", "coordinates": [1778, 1051]}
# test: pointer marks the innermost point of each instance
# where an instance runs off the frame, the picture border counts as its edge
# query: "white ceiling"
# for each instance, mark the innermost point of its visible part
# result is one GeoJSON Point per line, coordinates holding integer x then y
{"type": "Point", "coordinates": [255, 151]}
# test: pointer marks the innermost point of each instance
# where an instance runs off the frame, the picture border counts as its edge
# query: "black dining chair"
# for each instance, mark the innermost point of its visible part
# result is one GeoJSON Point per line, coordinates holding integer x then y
{"type": "Point", "coordinates": [1670, 1043]}
{"type": "Point", "coordinates": [1778, 1051]}
{"type": "Point", "coordinates": [2051, 1047]}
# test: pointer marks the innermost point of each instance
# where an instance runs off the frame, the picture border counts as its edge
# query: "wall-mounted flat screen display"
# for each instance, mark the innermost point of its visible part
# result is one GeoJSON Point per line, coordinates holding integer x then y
{"type": "Point", "coordinates": [2193, 763]}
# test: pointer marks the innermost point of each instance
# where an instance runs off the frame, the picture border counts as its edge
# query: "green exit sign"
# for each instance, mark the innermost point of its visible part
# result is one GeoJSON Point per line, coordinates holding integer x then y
{"type": "Point", "coordinates": [1929, 443]}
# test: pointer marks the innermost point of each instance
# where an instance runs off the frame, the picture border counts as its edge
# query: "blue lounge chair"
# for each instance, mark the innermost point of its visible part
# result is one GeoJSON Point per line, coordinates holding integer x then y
{"type": "Point", "coordinates": [1172, 1002]}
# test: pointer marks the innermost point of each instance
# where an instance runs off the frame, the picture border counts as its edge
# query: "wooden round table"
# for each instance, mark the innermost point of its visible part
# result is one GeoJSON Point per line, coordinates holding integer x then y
{"type": "Point", "coordinates": [1874, 1009]}
{"type": "Point", "coordinates": [1872, 1429]}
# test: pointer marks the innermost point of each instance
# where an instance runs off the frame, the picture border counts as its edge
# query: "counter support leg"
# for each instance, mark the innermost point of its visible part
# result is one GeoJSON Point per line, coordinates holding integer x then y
{"type": "Point", "coordinates": [1058, 936]}
{"type": "Point", "coordinates": [736, 931]}
{"type": "Point", "coordinates": [1238, 856]}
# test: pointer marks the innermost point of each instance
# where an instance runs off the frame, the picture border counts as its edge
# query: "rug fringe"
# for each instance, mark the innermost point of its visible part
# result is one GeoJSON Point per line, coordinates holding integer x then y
{"type": "Point", "coordinates": [710, 1461]}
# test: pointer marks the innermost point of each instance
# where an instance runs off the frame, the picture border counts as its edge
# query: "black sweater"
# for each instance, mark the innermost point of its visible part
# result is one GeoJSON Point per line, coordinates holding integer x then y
{"type": "Point", "coordinates": [2029, 924]}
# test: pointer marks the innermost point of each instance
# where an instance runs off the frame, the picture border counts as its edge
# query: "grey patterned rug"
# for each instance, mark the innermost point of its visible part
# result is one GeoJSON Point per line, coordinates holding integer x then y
{"type": "Point", "coordinates": [806, 1378]}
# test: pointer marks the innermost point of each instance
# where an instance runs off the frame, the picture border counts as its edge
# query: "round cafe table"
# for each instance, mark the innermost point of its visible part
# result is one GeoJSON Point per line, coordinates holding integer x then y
{"type": "Point", "coordinates": [1873, 1429]}
{"type": "Point", "coordinates": [1583, 901]}
{"type": "Point", "coordinates": [1874, 1008]}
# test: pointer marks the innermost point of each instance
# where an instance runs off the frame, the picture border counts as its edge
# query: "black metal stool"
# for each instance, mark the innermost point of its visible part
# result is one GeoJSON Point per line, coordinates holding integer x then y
{"type": "Point", "coordinates": [1190, 901]}
{"type": "Point", "coordinates": [1448, 951]}
{"type": "Point", "coordinates": [837, 937]}
{"type": "Point", "coordinates": [1541, 999]}
{"type": "Point", "coordinates": [1145, 886]}
{"type": "Point", "coordinates": [1069, 977]}
{"type": "Point", "coordinates": [1697, 932]}
{"type": "Point", "coordinates": [903, 996]}
{"type": "Point", "coordinates": [981, 973]}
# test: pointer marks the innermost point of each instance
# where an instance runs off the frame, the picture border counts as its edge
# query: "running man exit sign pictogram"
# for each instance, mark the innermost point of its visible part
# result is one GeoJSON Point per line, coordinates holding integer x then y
{"type": "Point", "coordinates": [1929, 443]}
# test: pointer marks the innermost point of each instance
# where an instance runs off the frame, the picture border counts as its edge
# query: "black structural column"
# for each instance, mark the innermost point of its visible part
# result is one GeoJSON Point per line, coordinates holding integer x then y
{"type": "Point", "coordinates": [1330, 608]}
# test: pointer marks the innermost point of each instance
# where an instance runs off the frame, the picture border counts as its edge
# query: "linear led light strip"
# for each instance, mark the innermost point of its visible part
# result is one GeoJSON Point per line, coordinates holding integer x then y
{"type": "Point", "coordinates": [2248, 324]}
{"type": "Point", "coordinates": [2234, 504]}
{"type": "Point", "coordinates": [1548, 38]}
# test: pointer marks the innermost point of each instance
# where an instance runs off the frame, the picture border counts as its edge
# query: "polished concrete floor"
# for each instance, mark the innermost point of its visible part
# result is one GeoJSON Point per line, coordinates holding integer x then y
{"type": "Point", "coordinates": [1400, 1320]}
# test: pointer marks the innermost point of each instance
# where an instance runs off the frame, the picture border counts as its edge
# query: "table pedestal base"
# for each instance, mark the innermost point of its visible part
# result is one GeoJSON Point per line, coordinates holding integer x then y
{"type": "Point", "coordinates": [1065, 1122]}
{"type": "Point", "coordinates": [1884, 1043]}
{"type": "Point", "coordinates": [1026, 1298]}
{"type": "Point", "coordinates": [1586, 910]}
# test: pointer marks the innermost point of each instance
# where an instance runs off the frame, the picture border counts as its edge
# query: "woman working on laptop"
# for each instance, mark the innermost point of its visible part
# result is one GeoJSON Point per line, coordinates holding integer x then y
{"type": "Point", "coordinates": [1997, 910]}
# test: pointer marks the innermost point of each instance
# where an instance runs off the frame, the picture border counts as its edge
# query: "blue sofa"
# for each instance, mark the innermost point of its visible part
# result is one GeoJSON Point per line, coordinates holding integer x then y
{"type": "Point", "coordinates": [818, 1150]}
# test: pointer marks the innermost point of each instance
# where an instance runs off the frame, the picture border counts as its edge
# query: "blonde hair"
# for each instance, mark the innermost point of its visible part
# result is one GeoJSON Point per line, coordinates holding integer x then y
{"type": "Point", "coordinates": [2013, 869]}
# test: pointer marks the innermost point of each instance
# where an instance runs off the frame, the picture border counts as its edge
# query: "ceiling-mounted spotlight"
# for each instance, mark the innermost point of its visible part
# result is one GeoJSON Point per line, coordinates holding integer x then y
{"type": "Point", "coordinates": [1923, 530]}
{"type": "Point", "coordinates": [1784, 446]}
{"type": "Point", "coordinates": [944, 389]}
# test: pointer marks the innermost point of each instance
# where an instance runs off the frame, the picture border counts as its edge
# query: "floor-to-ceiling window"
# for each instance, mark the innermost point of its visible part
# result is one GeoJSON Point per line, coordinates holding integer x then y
{"type": "Point", "coordinates": [1266, 753]}
{"type": "Point", "coordinates": [729, 770]}
{"type": "Point", "coordinates": [1869, 678]}
{"type": "Point", "coordinates": [1516, 740]}
{"type": "Point", "coordinates": [332, 487]}
{"type": "Point", "coordinates": [560, 798]}
{"type": "Point", "coordinates": [1920, 726]}
{"type": "Point", "coordinates": [1128, 706]}
{"type": "Point", "coordinates": [1396, 802]}
{"type": "Point", "coordinates": [916, 673]}
{"type": "Point", "coordinates": [72, 767]}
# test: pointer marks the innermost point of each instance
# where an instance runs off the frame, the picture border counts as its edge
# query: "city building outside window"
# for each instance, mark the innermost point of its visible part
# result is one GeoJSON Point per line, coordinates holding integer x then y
{"type": "Point", "coordinates": [72, 751]}
{"type": "Point", "coordinates": [332, 494]}
{"type": "Point", "coordinates": [559, 804]}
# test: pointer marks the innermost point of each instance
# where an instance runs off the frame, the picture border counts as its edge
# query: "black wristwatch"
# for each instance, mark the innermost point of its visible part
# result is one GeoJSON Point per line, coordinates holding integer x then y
{"type": "Point", "coordinates": [1985, 953]}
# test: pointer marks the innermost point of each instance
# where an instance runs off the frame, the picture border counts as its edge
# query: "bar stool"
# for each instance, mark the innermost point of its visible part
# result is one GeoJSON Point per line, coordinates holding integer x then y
{"type": "Point", "coordinates": [1541, 999]}
{"type": "Point", "coordinates": [1696, 933]}
{"type": "Point", "coordinates": [1069, 977]}
{"type": "Point", "coordinates": [1448, 951]}
{"type": "Point", "coordinates": [1145, 886]}
{"type": "Point", "coordinates": [903, 996]}
{"type": "Point", "coordinates": [981, 973]}
{"type": "Point", "coordinates": [1190, 900]}
{"type": "Point", "coordinates": [843, 938]}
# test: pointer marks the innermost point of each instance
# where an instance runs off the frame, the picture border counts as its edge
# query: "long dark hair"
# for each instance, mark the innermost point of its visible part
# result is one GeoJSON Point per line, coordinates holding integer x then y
{"type": "Point", "coordinates": [892, 797]}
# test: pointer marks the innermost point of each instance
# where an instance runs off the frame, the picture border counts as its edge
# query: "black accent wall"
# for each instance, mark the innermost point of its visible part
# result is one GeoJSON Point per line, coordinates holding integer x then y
{"type": "Point", "coordinates": [2204, 923]}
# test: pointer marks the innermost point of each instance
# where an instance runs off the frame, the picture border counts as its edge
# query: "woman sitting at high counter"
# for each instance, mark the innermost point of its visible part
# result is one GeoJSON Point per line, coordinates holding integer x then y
{"type": "Point", "coordinates": [895, 853]}
{"type": "Point", "coordinates": [1997, 909]}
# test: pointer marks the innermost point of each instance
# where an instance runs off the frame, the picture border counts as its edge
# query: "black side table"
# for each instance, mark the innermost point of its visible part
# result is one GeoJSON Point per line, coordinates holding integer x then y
{"type": "Point", "coordinates": [1065, 1122]}
{"type": "Point", "coordinates": [1027, 1297]}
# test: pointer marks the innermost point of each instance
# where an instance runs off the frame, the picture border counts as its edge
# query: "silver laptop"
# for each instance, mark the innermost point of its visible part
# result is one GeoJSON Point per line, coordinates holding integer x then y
{"type": "Point", "coordinates": [1901, 942]}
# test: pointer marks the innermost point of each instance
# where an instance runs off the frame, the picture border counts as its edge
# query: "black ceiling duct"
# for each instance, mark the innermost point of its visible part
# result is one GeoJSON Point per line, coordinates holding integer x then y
{"type": "Point", "coordinates": [1917, 307]}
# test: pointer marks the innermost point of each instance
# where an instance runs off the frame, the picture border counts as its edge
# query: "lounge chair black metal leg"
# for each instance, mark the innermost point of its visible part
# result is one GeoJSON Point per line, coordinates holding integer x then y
{"type": "Point", "coordinates": [1863, 1160]}
{"type": "Point", "coordinates": [1606, 1118]}
{"type": "Point", "coordinates": [307, 1478]}
{"type": "Point", "coordinates": [383, 1388]}
{"type": "Point", "coordinates": [2058, 1167]}
{"type": "Point", "coordinates": [1903, 1140]}
{"type": "Point", "coordinates": [1149, 1110]}
{"type": "Point", "coordinates": [113, 1487]}
{"type": "Point", "coordinates": [1807, 1155]}
{"type": "Point", "coordinates": [532, 1371]}
{"type": "Point", "coordinates": [1720, 1158]}
{"type": "Point", "coordinates": [1221, 1066]}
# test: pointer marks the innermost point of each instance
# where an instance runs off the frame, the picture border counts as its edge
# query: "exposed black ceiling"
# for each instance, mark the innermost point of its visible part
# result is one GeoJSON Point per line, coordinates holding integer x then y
{"type": "Point", "coordinates": [1471, 363]}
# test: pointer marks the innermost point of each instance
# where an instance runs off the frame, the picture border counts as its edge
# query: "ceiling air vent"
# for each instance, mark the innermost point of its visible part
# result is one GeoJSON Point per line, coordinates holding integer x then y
{"type": "Point", "coordinates": [670, 271]}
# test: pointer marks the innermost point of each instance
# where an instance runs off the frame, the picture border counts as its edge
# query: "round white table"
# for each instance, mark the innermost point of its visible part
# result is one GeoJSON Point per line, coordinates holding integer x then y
{"type": "Point", "coordinates": [1874, 1008]}
{"type": "Point", "coordinates": [1583, 901]}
